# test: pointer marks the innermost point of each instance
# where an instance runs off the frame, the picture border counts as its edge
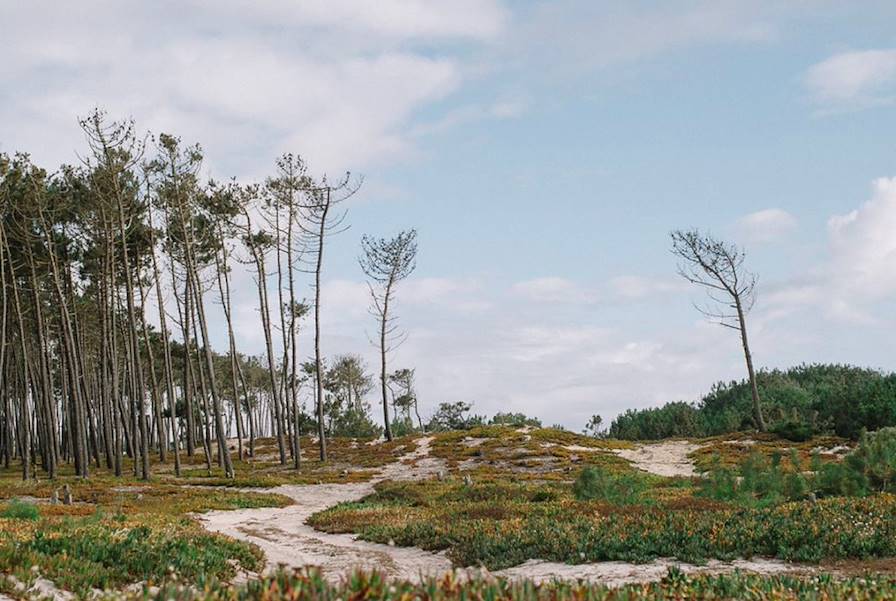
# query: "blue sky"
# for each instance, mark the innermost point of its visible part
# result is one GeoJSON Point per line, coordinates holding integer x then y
{"type": "Point", "coordinates": [544, 150]}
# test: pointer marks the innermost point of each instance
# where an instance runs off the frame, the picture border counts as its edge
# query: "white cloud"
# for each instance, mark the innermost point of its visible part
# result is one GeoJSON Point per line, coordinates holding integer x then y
{"type": "Point", "coordinates": [339, 81]}
{"type": "Point", "coordinates": [863, 244]}
{"type": "Point", "coordinates": [853, 80]}
{"type": "Point", "coordinates": [553, 290]}
{"type": "Point", "coordinates": [766, 225]}
{"type": "Point", "coordinates": [858, 271]}
{"type": "Point", "coordinates": [402, 19]}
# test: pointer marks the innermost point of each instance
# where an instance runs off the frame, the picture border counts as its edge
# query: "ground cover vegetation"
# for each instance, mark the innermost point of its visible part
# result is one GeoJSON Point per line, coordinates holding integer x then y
{"type": "Point", "coordinates": [307, 585]}
{"type": "Point", "coordinates": [118, 535]}
{"type": "Point", "coordinates": [774, 504]}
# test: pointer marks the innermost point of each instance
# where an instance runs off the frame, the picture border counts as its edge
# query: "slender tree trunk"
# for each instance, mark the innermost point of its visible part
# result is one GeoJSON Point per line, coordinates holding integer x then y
{"type": "Point", "coordinates": [384, 323]}
{"type": "Point", "coordinates": [224, 290]}
{"type": "Point", "coordinates": [166, 354]}
{"type": "Point", "coordinates": [318, 360]}
{"type": "Point", "coordinates": [269, 347]}
{"type": "Point", "coordinates": [754, 387]}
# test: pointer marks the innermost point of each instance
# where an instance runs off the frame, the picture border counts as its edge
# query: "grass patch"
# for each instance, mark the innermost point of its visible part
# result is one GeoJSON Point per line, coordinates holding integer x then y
{"type": "Point", "coordinates": [20, 510]}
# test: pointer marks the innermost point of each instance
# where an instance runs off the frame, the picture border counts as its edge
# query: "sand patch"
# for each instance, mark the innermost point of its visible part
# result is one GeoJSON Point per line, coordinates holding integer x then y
{"type": "Point", "coordinates": [285, 538]}
{"type": "Point", "coordinates": [662, 458]}
{"type": "Point", "coordinates": [618, 573]}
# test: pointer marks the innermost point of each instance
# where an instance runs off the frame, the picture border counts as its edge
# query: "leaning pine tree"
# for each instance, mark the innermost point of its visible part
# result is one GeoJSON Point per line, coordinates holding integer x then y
{"type": "Point", "coordinates": [386, 263]}
{"type": "Point", "coordinates": [718, 267]}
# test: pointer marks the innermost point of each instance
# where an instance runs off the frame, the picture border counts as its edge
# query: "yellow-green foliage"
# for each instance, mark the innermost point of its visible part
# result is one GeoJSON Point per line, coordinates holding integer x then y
{"type": "Point", "coordinates": [500, 524]}
{"type": "Point", "coordinates": [732, 450]}
{"type": "Point", "coordinates": [115, 534]}
{"type": "Point", "coordinates": [540, 453]}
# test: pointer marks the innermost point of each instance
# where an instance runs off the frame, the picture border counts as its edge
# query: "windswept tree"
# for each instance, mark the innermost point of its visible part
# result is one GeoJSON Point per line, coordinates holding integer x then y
{"type": "Point", "coordinates": [404, 394]}
{"type": "Point", "coordinates": [322, 217]}
{"type": "Point", "coordinates": [386, 262]}
{"type": "Point", "coordinates": [718, 267]}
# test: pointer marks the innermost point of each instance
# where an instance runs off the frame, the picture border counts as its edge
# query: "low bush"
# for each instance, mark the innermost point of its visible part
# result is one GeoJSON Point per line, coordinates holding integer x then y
{"type": "Point", "coordinates": [795, 431]}
{"type": "Point", "coordinates": [596, 484]}
{"type": "Point", "coordinates": [758, 481]}
{"type": "Point", "coordinates": [20, 510]}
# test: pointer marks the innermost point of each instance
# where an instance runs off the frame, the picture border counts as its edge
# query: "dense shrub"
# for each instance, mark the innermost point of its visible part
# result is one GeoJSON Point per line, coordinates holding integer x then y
{"type": "Point", "coordinates": [797, 403]}
{"type": "Point", "coordinates": [517, 420]}
{"type": "Point", "coordinates": [454, 416]}
{"type": "Point", "coordinates": [670, 420]}
{"type": "Point", "coordinates": [596, 484]}
{"type": "Point", "coordinates": [355, 423]}
{"type": "Point", "coordinates": [871, 467]}
{"type": "Point", "coordinates": [759, 481]}
{"type": "Point", "coordinates": [795, 431]}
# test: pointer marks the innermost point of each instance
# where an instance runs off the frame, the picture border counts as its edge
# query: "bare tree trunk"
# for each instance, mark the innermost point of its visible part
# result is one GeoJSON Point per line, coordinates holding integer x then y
{"type": "Point", "coordinates": [224, 289]}
{"type": "Point", "coordinates": [166, 354]}
{"type": "Point", "coordinates": [384, 323]}
{"type": "Point", "coordinates": [269, 347]}
{"type": "Point", "coordinates": [754, 387]}
{"type": "Point", "coordinates": [318, 360]}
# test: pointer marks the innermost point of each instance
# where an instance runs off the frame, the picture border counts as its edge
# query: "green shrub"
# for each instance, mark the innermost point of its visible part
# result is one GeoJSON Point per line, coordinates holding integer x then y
{"type": "Point", "coordinates": [797, 403]}
{"type": "Point", "coordinates": [20, 510]}
{"type": "Point", "coordinates": [793, 430]}
{"type": "Point", "coordinates": [597, 484]}
{"type": "Point", "coordinates": [758, 481]}
{"type": "Point", "coordinates": [870, 467]}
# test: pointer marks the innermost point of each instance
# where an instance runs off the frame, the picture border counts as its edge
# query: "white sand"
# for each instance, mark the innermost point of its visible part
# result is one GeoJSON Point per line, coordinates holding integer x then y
{"type": "Point", "coordinates": [285, 538]}
{"type": "Point", "coordinates": [662, 458]}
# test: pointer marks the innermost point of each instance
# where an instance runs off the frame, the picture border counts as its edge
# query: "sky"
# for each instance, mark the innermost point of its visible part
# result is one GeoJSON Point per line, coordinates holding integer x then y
{"type": "Point", "coordinates": [544, 151]}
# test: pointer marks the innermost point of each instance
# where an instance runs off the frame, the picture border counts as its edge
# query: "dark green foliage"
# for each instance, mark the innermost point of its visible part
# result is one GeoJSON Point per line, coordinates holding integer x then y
{"type": "Point", "coordinates": [517, 420]}
{"type": "Point", "coordinates": [759, 481]}
{"type": "Point", "coordinates": [454, 416]}
{"type": "Point", "coordinates": [354, 422]}
{"type": "Point", "coordinates": [20, 510]}
{"type": "Point", "coordinates": [677, 419]}
{"type": "Point", "coordinates": [793, 430]}
{"type": "Point", "coordinates": [871, 467]}
{"type": "Point", "coordinates": [596, 484]}
{"type": "Point", "coordinates": [797, 403]}
{"type": "Point", "coordinates": [403, 426]}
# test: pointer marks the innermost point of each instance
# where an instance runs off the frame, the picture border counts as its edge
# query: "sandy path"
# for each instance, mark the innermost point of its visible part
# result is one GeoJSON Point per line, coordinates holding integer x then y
{"type": "Point", "coordinates": [285, 538]}
{"type": "Point", "coordinates": [618, 573]}
{"type": "Point", "coordinates": [662, 458]}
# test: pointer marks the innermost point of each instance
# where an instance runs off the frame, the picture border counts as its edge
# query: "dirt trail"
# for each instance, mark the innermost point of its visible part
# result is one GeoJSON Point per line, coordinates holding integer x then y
{"type": "Point", "coordinates": [618, 573]}
{"type": "Point", "coordinates": [285, 538]}
{"type": "Point", "coordinates": [662, 458]}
